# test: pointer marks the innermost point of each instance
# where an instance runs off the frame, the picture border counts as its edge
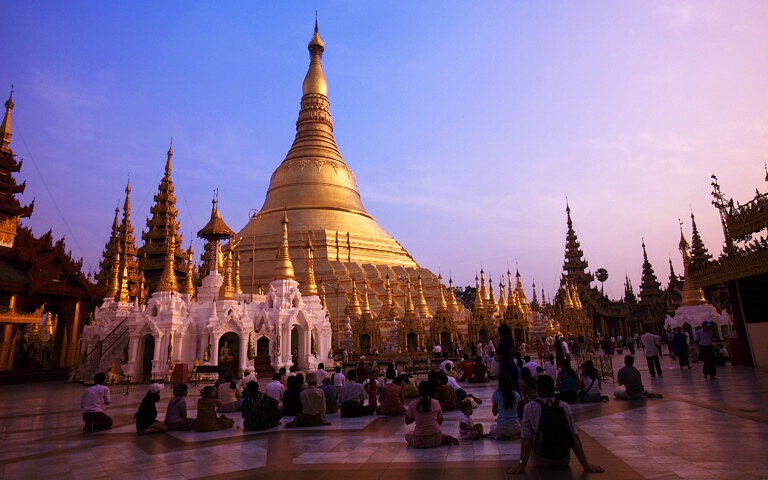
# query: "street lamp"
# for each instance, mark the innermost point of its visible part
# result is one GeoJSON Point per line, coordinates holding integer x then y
{"type": "Point", "coordinates": [252, 216]}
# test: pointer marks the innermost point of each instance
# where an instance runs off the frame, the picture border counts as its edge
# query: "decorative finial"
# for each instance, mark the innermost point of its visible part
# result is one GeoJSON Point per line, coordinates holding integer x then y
{"type": "Point", "coordinates": [315, 28]}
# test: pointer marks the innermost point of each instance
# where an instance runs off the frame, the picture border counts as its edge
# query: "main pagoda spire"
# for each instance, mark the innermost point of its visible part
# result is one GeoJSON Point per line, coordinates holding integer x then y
{"type": "Point", "coordinates": [650, 288]}
{"type": "Point", "coordinates": [161, 226]}
{"type": "Point", "coordinates": [575, 267]}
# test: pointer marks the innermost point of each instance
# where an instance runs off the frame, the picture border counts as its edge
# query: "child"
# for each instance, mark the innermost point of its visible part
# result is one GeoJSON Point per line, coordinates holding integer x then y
{"type": "Point", "coordinates": [467, 429]}
{"type": "Point", "coordinates": [373, 389]}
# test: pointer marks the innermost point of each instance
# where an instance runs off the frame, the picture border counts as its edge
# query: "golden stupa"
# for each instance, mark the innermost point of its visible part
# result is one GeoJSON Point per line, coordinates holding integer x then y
{"type": "Point", "coordinates": [318, 193]}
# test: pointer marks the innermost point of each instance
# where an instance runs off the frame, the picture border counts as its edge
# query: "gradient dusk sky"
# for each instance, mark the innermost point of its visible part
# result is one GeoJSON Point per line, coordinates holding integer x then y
{"type": "Point", "coordinates": [467, 124]}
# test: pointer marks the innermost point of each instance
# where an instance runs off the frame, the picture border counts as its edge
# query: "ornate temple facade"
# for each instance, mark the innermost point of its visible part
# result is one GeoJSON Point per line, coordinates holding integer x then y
{"type": "Point", "coordinates": [44, 295]}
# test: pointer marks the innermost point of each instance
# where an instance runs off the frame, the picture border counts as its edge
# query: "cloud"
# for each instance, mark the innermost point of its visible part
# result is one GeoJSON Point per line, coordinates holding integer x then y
{"type": "Point", "coordinates": [677, 15]}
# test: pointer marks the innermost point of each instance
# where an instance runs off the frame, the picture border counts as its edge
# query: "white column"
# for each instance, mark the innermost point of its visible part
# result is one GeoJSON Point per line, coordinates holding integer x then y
{"type": "Point", "coordinates": [243, 351]}
{"type": "Point", "coordinates": [214, 350]}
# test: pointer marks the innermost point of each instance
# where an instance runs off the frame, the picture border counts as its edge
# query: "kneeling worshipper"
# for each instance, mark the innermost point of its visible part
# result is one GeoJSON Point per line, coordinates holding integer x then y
{"type": "Point", "coordinates": [428, 416]}
{"type": "Point", "coordinates": [146, 415]}
{"type": "Point", "coordinates": [207, 421]}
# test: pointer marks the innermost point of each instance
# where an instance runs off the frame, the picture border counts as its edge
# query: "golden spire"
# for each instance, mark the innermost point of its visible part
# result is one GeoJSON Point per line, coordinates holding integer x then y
{"type": "Point", "coordinates": [5, 127]}
{"type": "Point", "coordinates": [284, 268]}
{"type": "Point", "coordinates": [442, 305]}
{"type": "Point", "coordinates": [453, 305]}
{"type": "Point", "coordinates": [567, 300]}
{"type": "Point", "coordinates": [168, 162]}
{"type": "Point", "coordinates": [408, 299]}
{"type": "Point", "coordinates": [315, 82]}
{"type": "Point", "coordinates": [366, 304]}
{"type": "Point", "coordinates": [310, 287]}
{"type": "Point", "coordinates": [575, 297]}
{"type": "Point", "coordinates": [189, 282]}
{"type": "Point", "coordinates": [478, 295]}
{"type": "Point", "coordinates": [124, 297]}
{"type": "Point", "coordinates": [511, 297]}
{"type": "Point", "coordinates": [491, 297]}
{"type": "Point", "coordinates": [227, 291]}
{"type": "Point", "coordinates": [483, 289]}
{"type": "Point", "coordinates": [322, 296]}
{"type": "Point", "coordinates": [502, 300]}
{"type": "Point", "coordinates": [236, 274]}
{"type": "Point", "coordinates": [354, 303]}
{"type": "Point", "coordinates": [423, 308]}
{"type": "Point", "coordinates": [114, 280]}
{"type": "Point", "coordinates": [168, 281]}
{"type": "Point", "coordinates": [691, 294]}
{"type": "Point", "coordinates": [521, 298]}
{"type": "Point", "coordinates": [387, 306]}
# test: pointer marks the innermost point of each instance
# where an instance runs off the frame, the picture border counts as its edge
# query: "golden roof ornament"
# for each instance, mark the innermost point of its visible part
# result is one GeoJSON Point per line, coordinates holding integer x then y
{"type": "Point", "coordinates": [483, 290]}
{"type": "Point", "coordinates": [354, 302]}
{"type": "Point", "coordinates": [124, 297]}
{"type": "Point", "coordinates": [388, 305]}
{"type": "Point", "coordinates": [236, 274]}
{"type": "Point", "coordinates": [366, 308]}
{"type": "Point", "coordinates": [114, 279]}
{"type": "Point", "coordinates": [227, 290]}
{"type": "Point", "coordinates": [478, 295]}
{"type": "Point", "coordinates": [691, 294]}
{"type": "Point", "coordinates": [502, 299]}
{"type": "Point", "coordinates": [6, 128]}
{"type": "Point", "coordinates": [453, 305]}
{"type": "Point", "coordinates": [310, 286]}
{"type": "Point", "coordinates": [168, 282]}
{"type": "Point", "coordinates": [423, 308]}
{"type": "Point", "coordinates": [189, 282]}
{"type": "Point", "coordinates": [442, 305]}
{"type": "Point", "coordinates": [408, 299]}
{"type": "Point", "coordinates": [315, 82]}
{"type": "Point", "coordinates": [492, 307]}
{"type": "Point", "coordinates": [284, 268]}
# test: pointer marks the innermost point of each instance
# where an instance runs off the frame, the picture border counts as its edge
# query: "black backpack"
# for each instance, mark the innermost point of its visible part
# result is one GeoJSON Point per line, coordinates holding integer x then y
{"type": "Point", "coordinates": [554, 439]}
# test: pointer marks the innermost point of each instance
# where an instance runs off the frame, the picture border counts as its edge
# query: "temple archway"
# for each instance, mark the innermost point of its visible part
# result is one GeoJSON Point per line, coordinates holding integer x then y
{"type": "Point", "coordinates": [229, 347]}
{"type": "Point", "coordinates": [411, 342]}
{"type": "Point", "coordinates": [147, 354]}
{"type": "Point", "coordinates": [365, 344]}
{"type": "Point", "coordinates": [482, 336]}
{"type": "Point", "coordinates": [262, 347]}
{"type": "Point", "coordinates": [445, 340]}
{"type": "Point", "coordinates": [518, 333]}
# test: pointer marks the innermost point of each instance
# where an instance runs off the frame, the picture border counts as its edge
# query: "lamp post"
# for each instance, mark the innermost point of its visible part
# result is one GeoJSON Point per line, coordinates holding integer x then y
{"type": "Point", "coordinates": [252, 216]}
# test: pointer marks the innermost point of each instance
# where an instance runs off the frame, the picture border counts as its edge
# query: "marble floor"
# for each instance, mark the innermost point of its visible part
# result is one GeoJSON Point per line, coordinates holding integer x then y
{"type": "Point", "coordinates": [701, 429]}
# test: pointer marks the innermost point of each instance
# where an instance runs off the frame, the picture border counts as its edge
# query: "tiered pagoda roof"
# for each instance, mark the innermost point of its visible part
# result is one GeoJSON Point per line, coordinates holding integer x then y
{"type": "Point", "coordinates": [575, 266]}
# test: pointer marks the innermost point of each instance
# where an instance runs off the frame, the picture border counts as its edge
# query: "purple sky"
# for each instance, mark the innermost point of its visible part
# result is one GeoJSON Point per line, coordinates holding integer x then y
{"type": "Point", "coordinates": [467, 124]}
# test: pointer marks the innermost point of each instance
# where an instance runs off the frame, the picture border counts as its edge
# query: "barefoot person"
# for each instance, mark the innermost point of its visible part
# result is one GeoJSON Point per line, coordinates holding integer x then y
{"type": "Point", "coordinates": [92, 405]}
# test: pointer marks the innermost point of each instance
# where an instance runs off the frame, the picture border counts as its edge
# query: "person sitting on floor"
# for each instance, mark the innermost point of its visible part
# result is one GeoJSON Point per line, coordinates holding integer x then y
{"type": "Point", "coordinates": [206, 420]}
{"type": "Point", "coordinates": [331, 396]}
{"type": "Point", "coordinates": [176, 413]}
{"type": "Point", "coordinates": [468, 430]}
{"type": "Point", "coordinates": [505, 401]}
{"type": "Point", "coordinates": [479, 371]}
{"type": "Point", "coordinates": [229, 395]}
{"type": "Point", "coordinates": [260, 411]}
{"type": "Point", "coordinates": [292, 397]}
{"type": "Point", "coordinates": [590, 391]}
{"type": "Point", "coordinates": [445, 393]}
{"type": "Point", "coordinates": [542, 443]}
{"type": "Point", "coordinates": [428, 416]}
{"type": "Point", "coordinates": [146, 415]}
{"type": "Point", "coordinates": [410, 390]}
{"type": "Point", "coordinates": [92, 405]}
{"type": "Point", "coordinates": [391, 398]}
{"type": "Point", "coordinates": [630, 378]}
{"type": "Point", "coordinates": [466, 369]}
{"type": "Point", "coordinates": [352, 397]}
{"type": "Point", "coordinates": [312, 406]}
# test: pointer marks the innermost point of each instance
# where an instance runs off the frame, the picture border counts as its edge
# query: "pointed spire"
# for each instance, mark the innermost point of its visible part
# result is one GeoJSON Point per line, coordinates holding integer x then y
{"type": "Point", "coordinates": [189, 282]}
{"type": "Point", "coordinates": [453, 304]}
{"type": "Point", "coordinates": [114, 279]}
{"type": "Point", "coordinates": [575, 266]}
{"type": "Point", "coordinates": [366, 308]}
{"type": "Point", "coordinates": [169, 162]}
{"type": "Point", "coordinates": [483, 289]}
{"type": "Point", "coordinates": [168, 282]}
{"type": "Point", "coordinates": [567, 300]}
{"type": "Point", "coordinates": [511, 295]}
{"type": "Point", "coordinates": [387, 306]}
{"type": "Point", "coordinates": [123, 296]}
{"type": "Point", "coordinates": [478, 295]}
{"type": "Point", "coordinates": [649, 287]}
{"type": "Point", "coordinates": [699, 254]}
{"type": "Point", "coordinates": [421, 305]}
{"type": "Point", "coordinates": [236, 275]}
{"type": "Point", "coordinates": [502, 298]}
{"type": "Point", "coordinates": [492, 306]}
{"type": "Point", "coordinates": [354, 302]}
{"type": "Point", "coordinates": [284, 268]}
{"type": "Point", "coordinates": [227, 291]}
{"type": "Point", "coordinates": [310, 287]}
{"type": "Point", "coordinates": [408, 299]}
{"type": "Point", "coordinates": [442, 305]}
{"type": "Point", "coordinates": [322, 296]}
{"type": "Point", "coordinates": [315, 82]}
{"type": "Point", "coordinates": [6, 128]}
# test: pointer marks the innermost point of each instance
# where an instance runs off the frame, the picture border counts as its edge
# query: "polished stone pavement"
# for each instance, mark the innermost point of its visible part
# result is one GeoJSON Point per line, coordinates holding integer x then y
{"type": "Point", "coordinates": [701, 429]}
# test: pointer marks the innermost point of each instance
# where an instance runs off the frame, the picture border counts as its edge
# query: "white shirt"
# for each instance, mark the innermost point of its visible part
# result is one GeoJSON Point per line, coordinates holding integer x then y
{"type": "Point", "coordinates": [551, 370]}
{"type": "Point", "coordinates": [566, 350]}
{"type": "Point", "coordinates": [251, 377]}
{"type": "Point", "coordinates": [444, 363]}
{"type": "Point", "coordinates": [275, 389]}
{"type": "Point", "coordinates": [321, 374]}
{"type": "Point", "coordinates": [532, 366]}
{"type": "Point", "coordinates": [437, 349]}
{"type": "Point", "coordinates": [651, 344]}
{"type": "Point", "coordinates": [453, 383]}
{"type": "Point", "coordinates": [94, 399]}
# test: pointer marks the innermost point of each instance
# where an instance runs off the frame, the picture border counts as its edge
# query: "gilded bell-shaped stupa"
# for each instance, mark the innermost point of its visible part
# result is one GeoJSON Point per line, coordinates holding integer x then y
{"type": "Point", "coordinates": [318, 190]}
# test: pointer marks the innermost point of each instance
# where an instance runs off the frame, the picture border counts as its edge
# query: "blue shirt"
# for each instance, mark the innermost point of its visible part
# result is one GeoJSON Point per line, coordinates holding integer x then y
{"type": "Point", "coordinates": [507, 416]}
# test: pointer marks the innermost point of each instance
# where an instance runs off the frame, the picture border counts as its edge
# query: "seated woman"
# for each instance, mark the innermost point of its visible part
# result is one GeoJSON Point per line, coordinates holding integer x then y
{"type": "Point", "coordinates": [391, 398]}
{"type": "Point", "coordinates": [207, 421]}
{"type": "Point", "coordinates": [229, 395]}
{"type": "Point", "coordinates": [176, 415]}
{"type": "Point", "coordinates": [568, 383]}
{"type": "Point", "coordinates": [445, 393]}
{"type": "Point", "coordinates": [260, 411]}
{"type": "Point", "coordinates": [428, 416]}
{"type": "Point", "coordinates": [590, 391]}
{"type": "Point", "coordinates": [410, 390]}
{"type": "Point", "coordinates": [146, 416]}
{"type": "Point", "coordinates": [291, 400]}
{"type": "Point", "coordinates": [505, 401]}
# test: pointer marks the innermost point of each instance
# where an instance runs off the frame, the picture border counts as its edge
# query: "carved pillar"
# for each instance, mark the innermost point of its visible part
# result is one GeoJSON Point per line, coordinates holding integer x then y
{"type": "Point", "coordinates": [5, 348]}
{"type": "Point", "coordinates": [215, 350]}
{"type": "Point", "coordinates": [133, 360]}
{"type": "Point", "coordinates": [71, 357]}
{"type": "Point", "coordinates": [243, 352]}
{"type": "Point", "coordinates": [157, 361]}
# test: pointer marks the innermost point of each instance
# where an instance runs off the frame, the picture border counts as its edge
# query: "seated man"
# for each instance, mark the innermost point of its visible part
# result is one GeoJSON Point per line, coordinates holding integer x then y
{"type": "Point", "coordinates": [548, 432]}
{"type": "Point", "coordinates": [479, 371]}
{"type": "Point", "coordinates": [466, 369]}
{"type": "Point", "coordinates": [92, 405]}
{"type": "Point", "coordinates": [630, 378]}
{"type": "Point", "coordinates": [312, 406]}
{"type": "Point", "coordinates": [352, 397]}
{"type": "Point", "coordinates": [331, 396]}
